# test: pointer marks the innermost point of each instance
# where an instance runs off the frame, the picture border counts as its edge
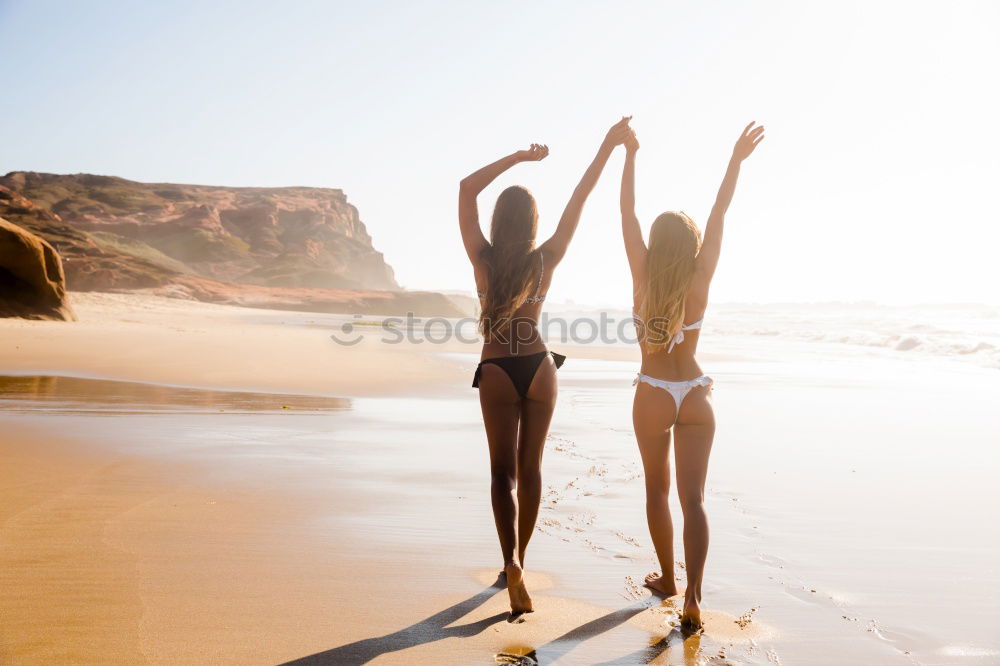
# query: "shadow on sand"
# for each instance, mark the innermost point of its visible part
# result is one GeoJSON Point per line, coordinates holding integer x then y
{"type": "Point", "coordinates": [434, 628]}
{"type": "Point", "coordinates": [571, 640]}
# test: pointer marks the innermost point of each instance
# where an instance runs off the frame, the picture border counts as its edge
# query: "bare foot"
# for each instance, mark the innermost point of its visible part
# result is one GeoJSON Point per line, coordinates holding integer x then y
{"type": "Point", "coordinates": [520, 602]}
{"type": "Point", "coordinates": [691, 615]}
{"type": "Point", "coordinates": [657, 582]}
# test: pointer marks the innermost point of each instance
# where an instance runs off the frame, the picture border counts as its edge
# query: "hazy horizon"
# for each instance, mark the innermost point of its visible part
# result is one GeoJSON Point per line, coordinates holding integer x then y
{"type": "Point", "coordinates": [874, 182]}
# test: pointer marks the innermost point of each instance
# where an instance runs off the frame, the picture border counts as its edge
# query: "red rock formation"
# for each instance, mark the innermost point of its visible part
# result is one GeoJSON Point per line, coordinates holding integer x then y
{"type": "Point", "coordinates": [286, 236]}
{"type": "Point", "coordinates": [292, 248]}
{"type": "Point", "coordinates": [88, 266]}
{"type": "Point", "coordinates": [32, 284]}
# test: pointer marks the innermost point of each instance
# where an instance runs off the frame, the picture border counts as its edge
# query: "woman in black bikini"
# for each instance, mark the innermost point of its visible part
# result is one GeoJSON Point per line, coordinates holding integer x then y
{"type": "Point", "coordinates": [517, 374]}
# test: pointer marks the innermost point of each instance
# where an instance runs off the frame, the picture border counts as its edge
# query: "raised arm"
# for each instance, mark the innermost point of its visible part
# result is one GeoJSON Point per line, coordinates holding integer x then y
{"type": "Point", "coordinates": [474, 183]}
{"type": "Point", "coordinates": [556, 246]}
{"type": "Point", "coordinates": [635, 246]}
{"type": "Point", "coordinates": [708, 257]}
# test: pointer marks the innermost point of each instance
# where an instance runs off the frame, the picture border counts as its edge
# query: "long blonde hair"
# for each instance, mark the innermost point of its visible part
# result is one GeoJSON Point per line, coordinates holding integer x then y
{"type": "Point", "coordinates": [674, 242]}
{"type": "Point", "coordinates": [512, 262]}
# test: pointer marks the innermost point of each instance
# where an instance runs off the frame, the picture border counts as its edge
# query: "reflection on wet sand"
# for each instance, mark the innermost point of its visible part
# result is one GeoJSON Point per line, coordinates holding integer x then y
{"type": "Point", "coordinates": [666, 648]}
{"type": "Point", "coordinates": [83, 395]}
{"type": "Point", "coordinates": [202, 542]}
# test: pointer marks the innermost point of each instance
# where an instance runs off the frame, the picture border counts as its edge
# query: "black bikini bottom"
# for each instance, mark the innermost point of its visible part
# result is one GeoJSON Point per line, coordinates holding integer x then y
{"type": "Point", "coordinates": [520, 369]}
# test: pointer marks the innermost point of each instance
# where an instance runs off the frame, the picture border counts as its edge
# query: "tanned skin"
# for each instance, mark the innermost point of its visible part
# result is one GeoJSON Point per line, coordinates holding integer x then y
{"type": "Point", "coordinates": [516, 427]}
{"type": "Point", "coordinates": [654, 414]}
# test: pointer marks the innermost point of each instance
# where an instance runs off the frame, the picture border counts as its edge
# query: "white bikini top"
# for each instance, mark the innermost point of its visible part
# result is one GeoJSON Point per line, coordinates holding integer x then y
{"type": "Point", "coordinates": [538, 287]}
{"type": "Point", "coordinates": [678, 336]}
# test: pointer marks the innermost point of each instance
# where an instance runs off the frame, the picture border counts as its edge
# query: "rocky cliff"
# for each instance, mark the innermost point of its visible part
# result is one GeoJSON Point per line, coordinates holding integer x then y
{"type": "Point", "coordinates": [296, 248]}
{"type": "Point", "coordinates": [275, 237]}
{"type": "Point", "coordinates": [88, 265]}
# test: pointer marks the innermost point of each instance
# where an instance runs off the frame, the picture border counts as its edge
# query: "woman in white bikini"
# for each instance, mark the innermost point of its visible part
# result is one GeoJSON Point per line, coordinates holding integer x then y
{"type": "Point", "coordinates": [670, 280]}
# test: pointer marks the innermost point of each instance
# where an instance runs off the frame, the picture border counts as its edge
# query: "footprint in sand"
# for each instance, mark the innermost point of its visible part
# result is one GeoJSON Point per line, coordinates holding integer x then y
{"type": "Point", "coordinates": [583, 520]}
{"type": "Point", "coordinates": [568, 447]}
{"type": "Point", "coordinates": [632, 541]}
{"type": "Point", "coordinates": [771, 560]}
{"type": "Point", "coordinates": [598, 471]}
{"type": "Point", "coordinates": [717, 626]}
{"type": "Point", "coordinates": [632, 590]}
{"type": "Point", "coordinates": [551, 498]}
{"type": "Point", "coordinates": [631, 472]}
{"type": "Point", "coordinates": [743, 621]}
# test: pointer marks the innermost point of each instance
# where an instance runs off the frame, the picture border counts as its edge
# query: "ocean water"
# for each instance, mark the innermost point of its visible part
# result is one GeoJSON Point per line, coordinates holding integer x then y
{"type": "Point", "coordinates": [965, 333]}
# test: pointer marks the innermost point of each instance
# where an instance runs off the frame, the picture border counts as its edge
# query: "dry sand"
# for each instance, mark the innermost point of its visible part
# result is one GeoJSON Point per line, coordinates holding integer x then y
{"type": "Point", "coordinates": [186, 343]}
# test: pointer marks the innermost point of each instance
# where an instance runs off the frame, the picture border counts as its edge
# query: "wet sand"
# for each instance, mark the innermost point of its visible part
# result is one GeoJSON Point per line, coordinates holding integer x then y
{"type": "Point", "coordinates": [230, 530]}
{"type": "Point", "coordinates": [143, 523]}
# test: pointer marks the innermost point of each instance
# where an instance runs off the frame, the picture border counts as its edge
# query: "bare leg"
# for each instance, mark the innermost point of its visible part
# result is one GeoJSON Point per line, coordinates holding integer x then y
{"type": "Point", "coordinates": [501, 413]}
{"type": "Point", "coordinates": [693, 443]}
{"type": "Point", "coordinates": [652, 414]}
{"type": "Point", "coordinates": [536, 415]}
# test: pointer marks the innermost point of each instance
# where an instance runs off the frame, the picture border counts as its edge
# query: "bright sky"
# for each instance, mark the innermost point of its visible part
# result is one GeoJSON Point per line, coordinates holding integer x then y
{"type": "Point", "coordinates": [876, 180]}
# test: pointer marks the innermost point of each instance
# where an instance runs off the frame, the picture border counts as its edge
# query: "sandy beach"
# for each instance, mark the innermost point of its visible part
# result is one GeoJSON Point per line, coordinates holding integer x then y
{"type": "Point", "coordinates": [190, 483]}
{"type": "Point", "coordinates": [245, 249]}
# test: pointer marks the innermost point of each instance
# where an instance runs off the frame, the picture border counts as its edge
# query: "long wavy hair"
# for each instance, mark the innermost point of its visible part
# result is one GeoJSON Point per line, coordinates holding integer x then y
{"type": "Point", "coordinates": [674, 242]}
{"type": "Point", "coordinates": [511, 259]}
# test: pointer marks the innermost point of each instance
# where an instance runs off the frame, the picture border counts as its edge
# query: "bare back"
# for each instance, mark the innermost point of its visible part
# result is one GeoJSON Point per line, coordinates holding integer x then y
{"type": "Point", "coordinates": [522, 337]}
{"type": "Point", "coordinates": [680, 363]}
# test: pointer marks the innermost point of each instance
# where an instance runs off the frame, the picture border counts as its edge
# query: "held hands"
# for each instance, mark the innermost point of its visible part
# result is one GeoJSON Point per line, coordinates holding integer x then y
{"type": "Point", "coordinates": [631, 143]}
{"type": "Point", "coordinates": [748, 141]}
{"type": "Point", "coordinates": [619, 133]}
{"type": "Point", "coordinates": [536, 153]}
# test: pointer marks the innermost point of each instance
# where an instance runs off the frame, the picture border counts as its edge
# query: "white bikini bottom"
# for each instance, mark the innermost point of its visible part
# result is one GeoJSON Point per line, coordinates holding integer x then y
{"type": "Point", "coordinates": [677, 390]}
